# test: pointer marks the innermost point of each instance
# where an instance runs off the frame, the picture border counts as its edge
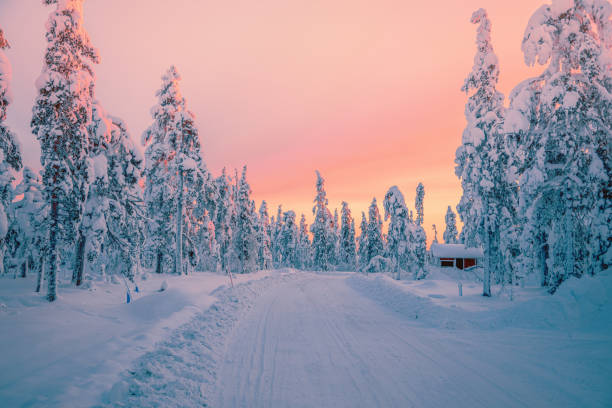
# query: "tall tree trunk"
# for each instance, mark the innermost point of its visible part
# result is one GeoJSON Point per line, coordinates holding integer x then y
{"type": "Point", "coordinates": [79, 260]}
{"type": "Point", "coordinates": [486, 279]}
{"type": "Point", "coordinates": [41, 271]}
{"type": "Point", "coordinates": [158, 264]}
{"type": "Point", "coordinates": [178, 267]}
{"type": "Point", "coordinates": [569, 242]}
{"type": "Point", "coordinates": [52, 279]}
{"type": "Point", "coordinates": [2, 249]}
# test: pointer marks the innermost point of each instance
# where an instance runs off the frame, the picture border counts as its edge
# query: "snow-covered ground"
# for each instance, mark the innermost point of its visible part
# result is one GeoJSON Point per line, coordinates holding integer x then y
{"type": "Point", "coordinates": [65, 353]}
{"type": "Point", "coordinates": [297, 339]}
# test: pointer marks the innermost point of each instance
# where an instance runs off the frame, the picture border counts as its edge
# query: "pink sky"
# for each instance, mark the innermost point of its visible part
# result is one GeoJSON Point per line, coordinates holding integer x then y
{"type": "Point", "coordinates": [367, 92]}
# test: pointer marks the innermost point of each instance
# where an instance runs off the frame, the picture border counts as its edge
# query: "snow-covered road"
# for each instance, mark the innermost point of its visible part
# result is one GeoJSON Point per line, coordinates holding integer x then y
{"type": "Point", "coordinates": [317, 342]}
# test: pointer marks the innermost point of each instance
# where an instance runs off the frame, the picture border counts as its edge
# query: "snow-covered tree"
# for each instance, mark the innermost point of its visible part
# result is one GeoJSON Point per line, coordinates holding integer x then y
{"type": "Point", "coordinates": [362, 244]}
{"type": "Point", "coordinates": [175, 177]}
{"type": "Point", "coordinates": [10, 156]}
{"type": "Point", "coordinates": [419, 204]}
{"type": "Point", "coordinates": [304, 248]}
{"type": "Point", "coordinates": [475, 166]}
{"type": "Point", "coordinates": [288, 240]}
{"type": "Point", "coordinates": [435, 238]}
{"type": "Point", "coordinates": [348, 255]}
{"type": "Point", "coordinates": [400, 230]}
{"type": "Point", "coordinates": [61, 116]}
{"type": "Point", "coordinates": [25, 232]}
{"type": "Point", "coordinates": [560, 122]}
{"type": "Point", "coordinates": [450, 232]}
{"type": "Point", "coordinates": [224, 210]}
{"type": "Point", "coordinates": [276, 227]}
{"type": "Point", "coordinates": [264, 257]}
{"type": "Point", "coordinates": [322, 229]}
{"type": "Point", "coordinates": [245, 237]}
{"type": "Point", "coordinates": [374, 237]}
{"type": "Point", "coordinates": [126, 213]}
{"type": "Point", "coordinates": [208, 248]}
{"type": "Point", "coordinates": [335, 254]}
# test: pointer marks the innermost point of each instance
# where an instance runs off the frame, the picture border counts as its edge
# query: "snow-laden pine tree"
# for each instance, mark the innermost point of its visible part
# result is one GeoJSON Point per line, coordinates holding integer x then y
{"type": "Point", "coordinates": [209, 258]}
{"type": "Point", "coordinates": [322, 229]}
{"type": "Point", "coordinates": [93, 229]}
{"type": "Point", "coordinates": [399, 249]}
{"type": "Point", "coordinates": [475, 157]}
{"type": "Point", "coordinates": [435, 238]}
{"type": "Point", "coordinates": [419, 236]}
{"type": "Point", "coordinates": [560, 122]}
{"type": "Point", "coordinates": [304, 248]}
{"type": "Point", "coordinates": [348, 254]}
{"type": "Point", "coordinates": [450, 232]}
{"type": "Point", "coordinates": [126, 213]}
{"type": "Point", "coordinates": [335, 259]}
{"type": "Point", "coordinates": [25, 232]}
{"type": "Point", "coordinates": [264, 256]}
{"type": "Point", "coordinates": [419, 204]}
{"type": "Point", "coordinates": [30, 216]}
{"type": "Point", "coordinates": [276, 227]}
{"type": "Point", "coordinates": [288, 241]}
{"type": "Point", "coordinates": [362, 243]}
{"type": "Point", "coordinates": [244, 239]}
{"type": "Point", "coordinates": [61, 117]}
{"type": "Point", "coordinates": [175, 176]}
{"type": "Point", "coordinates": [10, 157]}
{"type": "Point", "coordinates": [374, 236]}
{"type": "Point", "coordinates": [224, 209]}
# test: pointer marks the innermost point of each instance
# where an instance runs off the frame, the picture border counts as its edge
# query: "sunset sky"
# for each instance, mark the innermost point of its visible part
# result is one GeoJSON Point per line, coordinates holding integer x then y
{"type": "Point", "coordinates": [367, 92]}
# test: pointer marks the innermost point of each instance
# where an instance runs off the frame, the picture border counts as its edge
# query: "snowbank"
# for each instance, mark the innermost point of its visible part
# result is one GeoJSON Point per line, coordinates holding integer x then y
{"type": "Point", "coordinates": [59, 353]}
{"type": "Point", "coordinates": [181, 370]}
{"type": "Point", "coordinates": [579, 304]}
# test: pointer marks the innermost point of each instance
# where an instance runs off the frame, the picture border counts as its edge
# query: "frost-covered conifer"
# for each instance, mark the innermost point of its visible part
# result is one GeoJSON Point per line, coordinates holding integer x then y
{"type": "Point", "coordinates": [435, 238]}
{"type": "Point", "coordinates": [208, 248]}
{"type": "Point", "coordinates": [126, 212]}
{"type": "Point", "coordinates": [418, 205]}
{"type": "Point", "coordinates": [560, 122]}
{"type": "Point", "coordinates": [335, 259]}
{"type": "Point", "coordinates": [93, 228]}
{"type": "Point", "coordinates": [475, 158]}
{"type": "Point", "coordinates": [244, 237]}
{"type": "Point", "coordinates": [288, 241]}
{"type": "Point", "coordinates": [61, 117]}
{"type": "Point", "coordinates": [399, 248]}
{"type": "Point", "coordinates": [362, 246]}
{"type": "Point", "coordinates": [264, 257]}
{"type": "Point", "coordinates": [223, 217]}
{"type": "Point", "coordinates": [10, 157]}
{"type": "Point", "coordinates": [27, 231]}
{"type": "Point", "coordinates": [450, 232]}
{"type": "Point", "coordinates": [348, 255]}
{"type": "Point", "coordinates": [304, 249]}
{"type": "Point", "coordinates": [175, 176]}
{"type": "Point", "coordinates": [276, 227]}
{"type": "Point", "coordinates": [322, 229]}
{"type": "Point", "coordinates": [374, 236]}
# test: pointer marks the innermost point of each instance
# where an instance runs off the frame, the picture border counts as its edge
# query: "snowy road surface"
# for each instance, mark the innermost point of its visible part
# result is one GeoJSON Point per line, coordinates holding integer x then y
{"type": "Point", "coordinates": [317, 342]}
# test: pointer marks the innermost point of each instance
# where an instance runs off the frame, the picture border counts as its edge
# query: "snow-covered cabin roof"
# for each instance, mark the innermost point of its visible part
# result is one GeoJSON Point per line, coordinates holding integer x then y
{"type": "Point", "coordinates": [455, 251]}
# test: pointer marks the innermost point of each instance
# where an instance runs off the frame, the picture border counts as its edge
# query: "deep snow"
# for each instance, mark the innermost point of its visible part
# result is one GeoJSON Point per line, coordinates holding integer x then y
{"type": "Point", "coordinates": [300, 339]}
{"type": "Point", "coordinates": [66, 353]}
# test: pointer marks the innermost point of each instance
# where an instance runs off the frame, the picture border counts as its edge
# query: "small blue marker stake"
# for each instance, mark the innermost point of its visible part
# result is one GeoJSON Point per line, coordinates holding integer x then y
{"type": "Point", "coordinates": [128, 296]}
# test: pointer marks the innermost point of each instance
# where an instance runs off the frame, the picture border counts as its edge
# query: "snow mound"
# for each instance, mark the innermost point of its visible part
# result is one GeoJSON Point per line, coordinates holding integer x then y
{"type": "Point", "coordinates": [579, 304]}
